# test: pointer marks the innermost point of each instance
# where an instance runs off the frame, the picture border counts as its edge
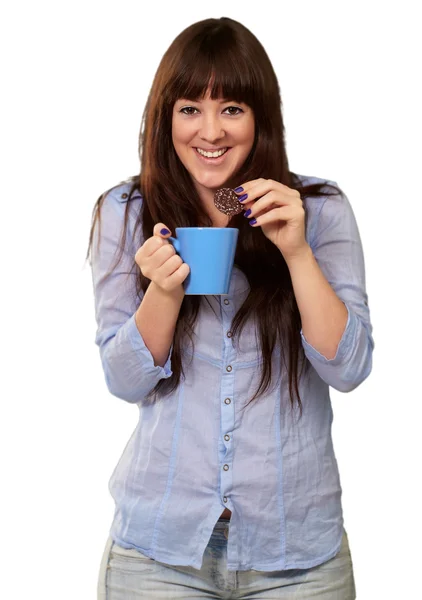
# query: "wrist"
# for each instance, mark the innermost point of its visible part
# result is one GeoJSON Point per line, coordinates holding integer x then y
{"type": "Point", "coordinates": [301, 256]}
{"type": "Point", "coordinates": [177, 294]}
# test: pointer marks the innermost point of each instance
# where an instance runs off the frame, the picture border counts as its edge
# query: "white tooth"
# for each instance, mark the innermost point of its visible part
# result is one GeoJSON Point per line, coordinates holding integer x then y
{"type": "Point", "coordinates": [215, 154]}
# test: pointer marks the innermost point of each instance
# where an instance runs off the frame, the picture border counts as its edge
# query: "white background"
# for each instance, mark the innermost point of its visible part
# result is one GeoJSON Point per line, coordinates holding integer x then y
{"type": "Point", "coordinates": [76, 76]}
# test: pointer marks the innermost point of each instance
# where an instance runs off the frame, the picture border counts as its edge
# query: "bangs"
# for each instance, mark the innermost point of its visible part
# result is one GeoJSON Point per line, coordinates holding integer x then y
{"type": "Point", "coordinates": [225, 72]}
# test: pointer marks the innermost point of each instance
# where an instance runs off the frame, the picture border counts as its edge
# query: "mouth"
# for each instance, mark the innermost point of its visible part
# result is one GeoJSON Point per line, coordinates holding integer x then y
{"type": "Point", "coordinates": [212, 158]}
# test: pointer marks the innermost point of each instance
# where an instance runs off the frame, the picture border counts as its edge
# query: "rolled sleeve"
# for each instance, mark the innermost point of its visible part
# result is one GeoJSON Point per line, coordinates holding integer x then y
{"type": "Point", "coordinates": [128, 365]}
{"type": "Point", "coordinates": [346, 342]}
{"type": "Point", "coordinates": [337, 247]}
{"type": "Point", "coordinates": [139, 346]}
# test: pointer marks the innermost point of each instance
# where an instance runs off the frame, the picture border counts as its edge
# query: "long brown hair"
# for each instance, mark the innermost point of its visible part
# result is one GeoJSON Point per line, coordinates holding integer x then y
{"type": "Point", "coordinates": [225, 54]}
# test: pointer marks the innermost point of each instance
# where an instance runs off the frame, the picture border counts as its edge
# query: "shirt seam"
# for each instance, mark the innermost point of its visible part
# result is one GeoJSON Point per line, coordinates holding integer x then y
{"type": "Point", "coordinates": [172, 469]}
{"type": "Point", "coordinates": [317, 220]}
{"type": "Point", "coordinates": [290, 565]}
{"type": "Point", "coordinates": [280, 475]}
{"type": "Point", "coordinates": [216, 363]}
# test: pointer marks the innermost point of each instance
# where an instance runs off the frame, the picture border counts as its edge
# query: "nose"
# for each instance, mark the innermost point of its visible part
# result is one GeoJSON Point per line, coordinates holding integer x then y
{"type": "Point", "coordinates": [211, 129]}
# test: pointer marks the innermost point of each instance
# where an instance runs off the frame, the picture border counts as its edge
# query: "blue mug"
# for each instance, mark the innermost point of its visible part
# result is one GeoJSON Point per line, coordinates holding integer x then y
{"type": "Point", "coordinates": [209, 252]}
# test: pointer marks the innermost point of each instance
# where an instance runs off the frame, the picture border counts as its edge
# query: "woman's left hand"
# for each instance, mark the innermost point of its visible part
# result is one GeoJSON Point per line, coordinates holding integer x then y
{"type": "Point", "coordinates": [279, 211]}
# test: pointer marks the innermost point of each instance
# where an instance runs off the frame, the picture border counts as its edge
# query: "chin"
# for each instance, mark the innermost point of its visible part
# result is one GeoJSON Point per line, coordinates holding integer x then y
{"type": "Point", "coordinates": [213, 182]}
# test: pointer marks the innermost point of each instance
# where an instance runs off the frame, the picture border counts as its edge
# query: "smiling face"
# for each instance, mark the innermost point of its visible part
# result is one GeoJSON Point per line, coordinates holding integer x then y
{"type": "Point", "coordinates": [212, 139]}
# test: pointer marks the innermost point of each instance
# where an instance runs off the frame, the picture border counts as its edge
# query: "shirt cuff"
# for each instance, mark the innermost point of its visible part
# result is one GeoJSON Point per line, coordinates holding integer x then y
{"type": "Point", "coordinates": [344, 347]}
{"type": "Point", "coordinates": [138, 344]}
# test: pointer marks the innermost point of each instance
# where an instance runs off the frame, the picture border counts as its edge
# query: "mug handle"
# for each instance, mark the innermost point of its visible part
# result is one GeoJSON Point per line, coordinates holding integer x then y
{"type": "Point", "coordinates": [175, 242]}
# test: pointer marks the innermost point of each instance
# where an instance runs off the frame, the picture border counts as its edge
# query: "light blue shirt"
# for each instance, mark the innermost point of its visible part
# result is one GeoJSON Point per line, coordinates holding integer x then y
{"type": "Point", "coordinates": [196, 452]}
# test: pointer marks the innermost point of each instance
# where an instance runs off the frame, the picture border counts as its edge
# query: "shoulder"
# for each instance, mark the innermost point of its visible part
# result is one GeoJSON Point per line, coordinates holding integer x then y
{"type": "Point", "coordinates": [326, 185]}
{"type": "Point", "coordinates": [119, 205]}
{"type": "Point", "coordinates": [121, 197]}
{"type": "Point", "coordinates": [326, 189]}
{"type": "Point", "coordinates": [123, 192]}
{"type": "Point", "coordinates": [328, 206]}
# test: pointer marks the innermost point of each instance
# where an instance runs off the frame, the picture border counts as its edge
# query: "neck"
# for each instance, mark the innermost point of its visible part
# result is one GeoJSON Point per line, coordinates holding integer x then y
{"type": "Point", "coordinates": [220, 221]}
{"type": "Point", "coordinates": [207, 198]}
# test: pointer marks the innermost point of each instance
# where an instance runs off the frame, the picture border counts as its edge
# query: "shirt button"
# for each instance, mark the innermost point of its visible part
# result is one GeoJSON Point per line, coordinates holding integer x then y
{"type": "Point", "coordinates": [227, 437]}
{"type": "Point", "coordinates": [227, 401]}
{"type": "Point", "coordinates": [226, 302]}
{"type": "Point", "coordinates": [229, 334]}
{"type": "Point", "coordinates": [225, 499]}
{"type": "Point", "coordinates": [226, 467]}
{"type": "Point", "coordinates": [229, 368]}
{"type": "Point", "coordinates": [124, 196]}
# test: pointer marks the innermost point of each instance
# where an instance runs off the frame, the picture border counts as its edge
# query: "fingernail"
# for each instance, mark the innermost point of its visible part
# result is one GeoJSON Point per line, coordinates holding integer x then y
{"type": "Point", "coordinates": [164, 231]}
{"type": "Point", "coordinates": [252, 222]}
{"type": "Point", "coordinates": [238, 190]}
{"type": "Point", "coordinates": [242, 198]}
{"type": "Point", "coordinates": [247, 212]}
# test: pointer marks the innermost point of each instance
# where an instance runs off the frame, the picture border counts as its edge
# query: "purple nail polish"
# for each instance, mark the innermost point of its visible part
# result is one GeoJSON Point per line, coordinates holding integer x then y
{"type": "Point", "coordinates": [247, 213]}
{"type": "Point", "coordinates": [164, 231]}
{"type": "Point", "coordinates": [242, 198]}
{"type": "Point", "coordinates": [252, 222]}
{"type": "Point", "coordinates": [238, 190]}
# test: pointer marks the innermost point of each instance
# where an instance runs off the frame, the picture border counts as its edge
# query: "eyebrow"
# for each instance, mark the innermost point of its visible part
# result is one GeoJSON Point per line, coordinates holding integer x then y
{"type": "Point", "coordinates": [200, 101]}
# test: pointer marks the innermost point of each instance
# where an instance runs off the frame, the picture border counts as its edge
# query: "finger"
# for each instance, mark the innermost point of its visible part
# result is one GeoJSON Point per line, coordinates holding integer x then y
{"type": "Point", "coordinates": [155, 242]}
{"type": "Point", "coordinates": [178, 277]}
{"type": "Point", "coordinates": [266, 203]}
{"type": "Point", "coordinates": [169, 266]}
{"type": "Point", "coordinates": [246, 206]}
{"type": "Point", "coordinates": [150, 246]}
{"type": "Point", "coordinates": [160, 256]}
{"type": "Point", "coordinates": [246, 187]}
{"type": "Point", "coordinates": [161, 230]}
{"type": "Point", "coordinates": [257, 188]}
{"type": "Point", "coordinates": [282, 213]}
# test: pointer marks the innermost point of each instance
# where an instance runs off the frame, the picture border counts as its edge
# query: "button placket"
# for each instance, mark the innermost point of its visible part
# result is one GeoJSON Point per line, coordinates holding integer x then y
{"type": "Point", "coordinates": [227, 401]}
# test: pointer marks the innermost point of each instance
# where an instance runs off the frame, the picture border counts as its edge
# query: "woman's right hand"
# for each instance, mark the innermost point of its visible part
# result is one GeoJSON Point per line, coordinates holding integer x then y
{"type": "Point", "coordinates": [159, 262]}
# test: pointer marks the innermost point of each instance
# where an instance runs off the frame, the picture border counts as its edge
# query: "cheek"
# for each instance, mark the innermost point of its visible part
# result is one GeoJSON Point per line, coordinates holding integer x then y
{"type": "Point", "coordinates": [246, 135]}
{"type": "Point", "coordinates": [181, 133]}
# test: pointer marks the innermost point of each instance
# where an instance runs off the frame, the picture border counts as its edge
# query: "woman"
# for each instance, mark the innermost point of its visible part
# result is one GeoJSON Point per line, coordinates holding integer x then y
{"type": "Point", "coordinates": [229, 486]}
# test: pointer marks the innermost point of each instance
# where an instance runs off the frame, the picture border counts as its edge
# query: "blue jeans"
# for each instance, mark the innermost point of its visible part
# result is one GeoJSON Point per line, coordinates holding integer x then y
{"type": "Point", "coordinates": [126, 574]}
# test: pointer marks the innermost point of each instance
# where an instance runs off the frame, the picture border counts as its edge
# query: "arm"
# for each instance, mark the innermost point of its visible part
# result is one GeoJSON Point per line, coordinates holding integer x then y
{"type": "Point", "coordinates": [129, 367]}
{"type": "Point", "coordinates": [323, 314]}
{"type": "Point", "coordinates": [329, 285]}
{"type": "Point", "coordinates": [156, 320]}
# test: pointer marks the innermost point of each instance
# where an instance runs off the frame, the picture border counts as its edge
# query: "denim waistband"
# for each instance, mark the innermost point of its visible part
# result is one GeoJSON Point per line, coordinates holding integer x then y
{"type": "Point", "coordinates": [222, 524]}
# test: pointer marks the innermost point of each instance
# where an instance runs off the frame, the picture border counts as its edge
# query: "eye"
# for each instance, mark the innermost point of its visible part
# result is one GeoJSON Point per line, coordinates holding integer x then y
{"type": "Point", "coordinates": [234, 110]}
{"type": "Point", "coordinates": [188, 110]}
